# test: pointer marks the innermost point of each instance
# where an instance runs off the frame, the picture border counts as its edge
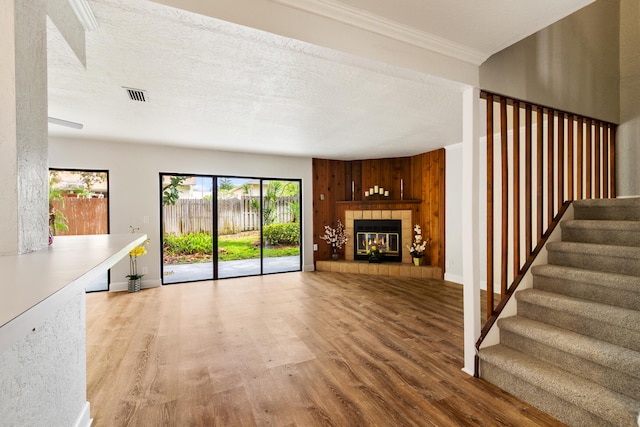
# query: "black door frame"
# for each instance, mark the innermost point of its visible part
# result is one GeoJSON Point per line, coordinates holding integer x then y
{"type": "Point", "coordinates": [214, 225]}
{"type": "Point", "coordinates": [105, 171]}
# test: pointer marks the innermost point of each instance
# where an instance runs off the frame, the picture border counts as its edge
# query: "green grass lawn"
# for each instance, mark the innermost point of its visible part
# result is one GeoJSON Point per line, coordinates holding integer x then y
{"type": "Point", "coordinates": [233, 247]}
{"type": "Point", "coordinates": [230, 248]}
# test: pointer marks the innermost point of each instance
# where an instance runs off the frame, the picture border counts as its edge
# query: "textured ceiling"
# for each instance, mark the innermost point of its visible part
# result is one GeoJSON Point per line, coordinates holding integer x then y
{"type": "Point", "coordinates": [213, 84]}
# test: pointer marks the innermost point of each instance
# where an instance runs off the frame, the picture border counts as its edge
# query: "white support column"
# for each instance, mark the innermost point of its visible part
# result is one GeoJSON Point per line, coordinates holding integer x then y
{"type": "Point", "coordinates": [470, 226]}
{"type": "Point", "coordinates": [23, 127]}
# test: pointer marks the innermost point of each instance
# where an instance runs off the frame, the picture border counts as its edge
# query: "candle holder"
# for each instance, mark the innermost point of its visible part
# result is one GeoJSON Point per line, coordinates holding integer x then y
{"type": "Point", "coordinates": [376, 190]}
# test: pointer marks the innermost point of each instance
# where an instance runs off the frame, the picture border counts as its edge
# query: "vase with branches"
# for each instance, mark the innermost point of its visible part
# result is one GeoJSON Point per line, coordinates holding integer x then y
{"type": "Point", "coordinates": [418, 247]}
{"type": "Point", "coordinates": [336, 237]}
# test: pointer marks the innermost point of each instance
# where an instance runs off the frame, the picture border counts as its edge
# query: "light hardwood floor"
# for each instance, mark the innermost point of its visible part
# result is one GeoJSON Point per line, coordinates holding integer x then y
{"type": "Point", "coordinates": [295, 349]}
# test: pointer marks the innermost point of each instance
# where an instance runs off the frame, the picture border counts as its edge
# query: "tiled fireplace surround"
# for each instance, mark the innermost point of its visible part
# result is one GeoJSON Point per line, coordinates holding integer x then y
{"type": "Point", "coordinates": [404, 216]}
{"type": "Point", "coordinates": [405, 268]}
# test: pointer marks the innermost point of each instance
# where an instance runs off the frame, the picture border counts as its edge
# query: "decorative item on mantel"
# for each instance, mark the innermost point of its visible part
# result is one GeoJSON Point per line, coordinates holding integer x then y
{"type": "Point", "coordinates": [336, 237]}
{"type": "Point", "coordinates": [418, 248]}
{"type": "Point", "coordinates": [133, 276]}
{"type": "Point", "coordinates": [376, 190]}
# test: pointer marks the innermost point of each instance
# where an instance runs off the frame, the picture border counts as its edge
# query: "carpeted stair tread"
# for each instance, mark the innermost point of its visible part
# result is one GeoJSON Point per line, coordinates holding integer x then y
{"type": "Point", "coordinates": [615, 408]}
{"type": "Point", "coordinates": [596, 249]}
{"type": "Point", "coordinates": [608, 288]}
{"type": "Point", "coordinates": [627, 209]}
{"type": "Point", "coordinates": [590, 256]}
{"type": "Point", "coordinates": [615, 316]}
{"type": "Point", "coordinates": [625, 233]}
{"type": "Point", "coordinates": [600, 352]}
{"type": "Point", "coordinates": [608, 323]}
{"type": "Point", "coordinates": [609, 365]}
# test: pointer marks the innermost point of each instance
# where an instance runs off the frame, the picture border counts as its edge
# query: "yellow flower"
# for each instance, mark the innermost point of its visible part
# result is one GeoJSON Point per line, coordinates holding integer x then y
{"type": "Point", "coordinates": [139, 250]}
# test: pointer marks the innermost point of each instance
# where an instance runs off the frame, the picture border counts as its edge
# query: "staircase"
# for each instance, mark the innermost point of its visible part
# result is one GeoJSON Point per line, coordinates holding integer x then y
{"type": "Point", "coordinates": [573, 350]}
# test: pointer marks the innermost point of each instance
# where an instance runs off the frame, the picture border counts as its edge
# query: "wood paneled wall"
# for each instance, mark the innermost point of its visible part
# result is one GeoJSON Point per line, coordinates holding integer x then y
{"type": "Point", "coordinates": [422, 178]}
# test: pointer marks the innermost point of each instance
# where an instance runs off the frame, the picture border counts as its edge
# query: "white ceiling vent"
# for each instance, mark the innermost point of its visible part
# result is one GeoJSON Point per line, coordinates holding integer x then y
{"type": "Point", "coordinates": [137, 94]}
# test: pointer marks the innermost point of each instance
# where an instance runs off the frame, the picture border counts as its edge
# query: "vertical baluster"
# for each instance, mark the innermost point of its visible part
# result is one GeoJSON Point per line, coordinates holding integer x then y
{"type": "Point", "coordinates": [528, 179]}
{"type": "Point", "coordinates": [550, 164]}
{"type": "Point", "coordinates": [570, 170]}
{"type": "Point", "coordinates": [588, 161]}
{"type": "Point", "coordinates": [612, 161]}
{"type": "Point", "coordinates": [504, 159]}
{"type": "Point", "coordinates": [580, 160]}
{"type": "Point", "coordinates": [596, 158]}
{"type": "Point", "coordinates": [539, 171]}
{"type": "Point", "coordinates": [516, 188]}
{"type": "Point", "coordinates": [561, 181]}
{"type": "Point", "coordinates": [605, 161]}
{"type": "Point", "coordinates": [489, 205]}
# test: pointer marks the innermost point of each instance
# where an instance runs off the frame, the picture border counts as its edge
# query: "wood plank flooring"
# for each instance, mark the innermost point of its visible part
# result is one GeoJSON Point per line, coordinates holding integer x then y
{"type": "Point", "coordinates": [295, 349]}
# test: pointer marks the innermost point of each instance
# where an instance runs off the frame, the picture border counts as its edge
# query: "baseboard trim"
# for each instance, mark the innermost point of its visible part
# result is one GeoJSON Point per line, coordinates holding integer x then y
{"type": "Point", "coordinates": [453, 278]}
{"type": "Point", "coordinates": [84, 418]}
{"type": "Point", "coordinates": [124, 286]}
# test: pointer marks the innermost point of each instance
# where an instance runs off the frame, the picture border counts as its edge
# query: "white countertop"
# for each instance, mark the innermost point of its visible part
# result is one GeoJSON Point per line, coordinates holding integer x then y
{"type": "Point", "coordinates": [26, 280]}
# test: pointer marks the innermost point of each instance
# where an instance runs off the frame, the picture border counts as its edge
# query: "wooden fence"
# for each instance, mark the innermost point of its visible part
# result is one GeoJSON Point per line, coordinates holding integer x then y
{"type": "Point", "coordinates": [84, 216]}
{"type": "Point", "coordinates": [234, 215]}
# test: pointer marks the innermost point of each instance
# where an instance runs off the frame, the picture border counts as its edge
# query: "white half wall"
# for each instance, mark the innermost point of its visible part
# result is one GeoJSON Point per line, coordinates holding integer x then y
{"type": "Point", "coordinates": [134, 186]}
{"type": "Point", "coordinates": [43, 374]}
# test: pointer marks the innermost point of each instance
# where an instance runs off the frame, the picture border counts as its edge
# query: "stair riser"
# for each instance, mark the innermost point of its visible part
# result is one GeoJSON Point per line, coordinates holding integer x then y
{"type": "Point", "coordinates": [622, 213]}
{"type": "Point", "coordinates": [600, 262]}
{"type": "Point", "coordinates": [601, 236]}
{"type": "Point", "coordinates": [588, 291]}
{"type": "Point", "coordinates": [547, 402]}
{"type": "Point", "coordinates": [606, 376]}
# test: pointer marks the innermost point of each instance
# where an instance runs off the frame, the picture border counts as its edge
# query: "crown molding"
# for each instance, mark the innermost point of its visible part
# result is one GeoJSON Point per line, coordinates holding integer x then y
{"type": "Point", "coordinates": [85, 14]}
{"type": "Point", "coordinates": [376, 24]}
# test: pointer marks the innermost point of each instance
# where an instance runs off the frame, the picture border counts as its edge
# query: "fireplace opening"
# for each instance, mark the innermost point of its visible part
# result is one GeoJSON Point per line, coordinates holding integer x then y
{"type": "Point", "coordinates": [385, 233]}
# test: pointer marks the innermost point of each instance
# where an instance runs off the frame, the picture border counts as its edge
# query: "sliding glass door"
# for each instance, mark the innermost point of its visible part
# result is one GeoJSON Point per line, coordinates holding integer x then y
{"type": "Point", "coordinates": [239, 227]}
{"type": "Point", "coordinates": [281, 231]}
{"type": "Point", "coordinates": [256, 223]}
{"type": "Point", "coordinates": [187, 230]}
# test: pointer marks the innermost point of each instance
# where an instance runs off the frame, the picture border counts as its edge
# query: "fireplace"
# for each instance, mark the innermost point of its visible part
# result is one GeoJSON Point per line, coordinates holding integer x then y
{"type": "Point", "coordinates": [385, 233]}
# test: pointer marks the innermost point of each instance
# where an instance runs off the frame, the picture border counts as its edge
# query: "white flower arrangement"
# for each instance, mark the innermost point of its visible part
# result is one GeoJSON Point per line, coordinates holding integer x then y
{"type": "Point", "coordinates": [336, 237]}
{"type": "Point", "coordinates": [419, 244]}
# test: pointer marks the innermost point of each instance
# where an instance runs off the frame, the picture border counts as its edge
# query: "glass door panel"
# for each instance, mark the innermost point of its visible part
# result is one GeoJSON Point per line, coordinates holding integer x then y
{"type": "Point", "coordinates": [187, 234]}
{"type": "Point", "coordinates": [281, 226]}
{"type": "Point", "coordinates": [239, 225]}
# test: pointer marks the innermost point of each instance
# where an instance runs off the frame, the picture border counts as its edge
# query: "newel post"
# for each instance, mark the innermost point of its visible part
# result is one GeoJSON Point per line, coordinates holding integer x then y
{"type": "Point", "coordinates": [470, 223]}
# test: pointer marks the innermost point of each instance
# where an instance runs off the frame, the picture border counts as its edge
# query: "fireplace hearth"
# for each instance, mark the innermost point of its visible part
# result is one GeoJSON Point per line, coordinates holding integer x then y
{"type": "Point", "coordinates": [385, 233]}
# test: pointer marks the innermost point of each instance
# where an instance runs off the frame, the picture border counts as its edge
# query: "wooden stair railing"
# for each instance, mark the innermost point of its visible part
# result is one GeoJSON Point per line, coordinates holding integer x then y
{"type": "Point", "coordinates": [566, 157]}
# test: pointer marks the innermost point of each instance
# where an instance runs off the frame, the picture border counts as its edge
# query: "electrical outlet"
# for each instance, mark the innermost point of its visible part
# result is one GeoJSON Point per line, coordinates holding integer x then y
{"type": "Point", "coordinates": [315, 246]}
{"type": "Point", "coordinates": [145, 219]}
{"type": "Point", "coordinates": [145, 270]}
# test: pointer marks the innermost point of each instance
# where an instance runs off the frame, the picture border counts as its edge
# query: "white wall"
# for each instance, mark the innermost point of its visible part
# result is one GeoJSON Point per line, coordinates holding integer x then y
{"type": "Point", "coordinates": [571, 65]}
{"type": "Point", "coordinates": [628, 137]}
{"type": "Point", "coordinates": [453, 212]}
{"type": "Point", "coordinates": [134, 187]}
